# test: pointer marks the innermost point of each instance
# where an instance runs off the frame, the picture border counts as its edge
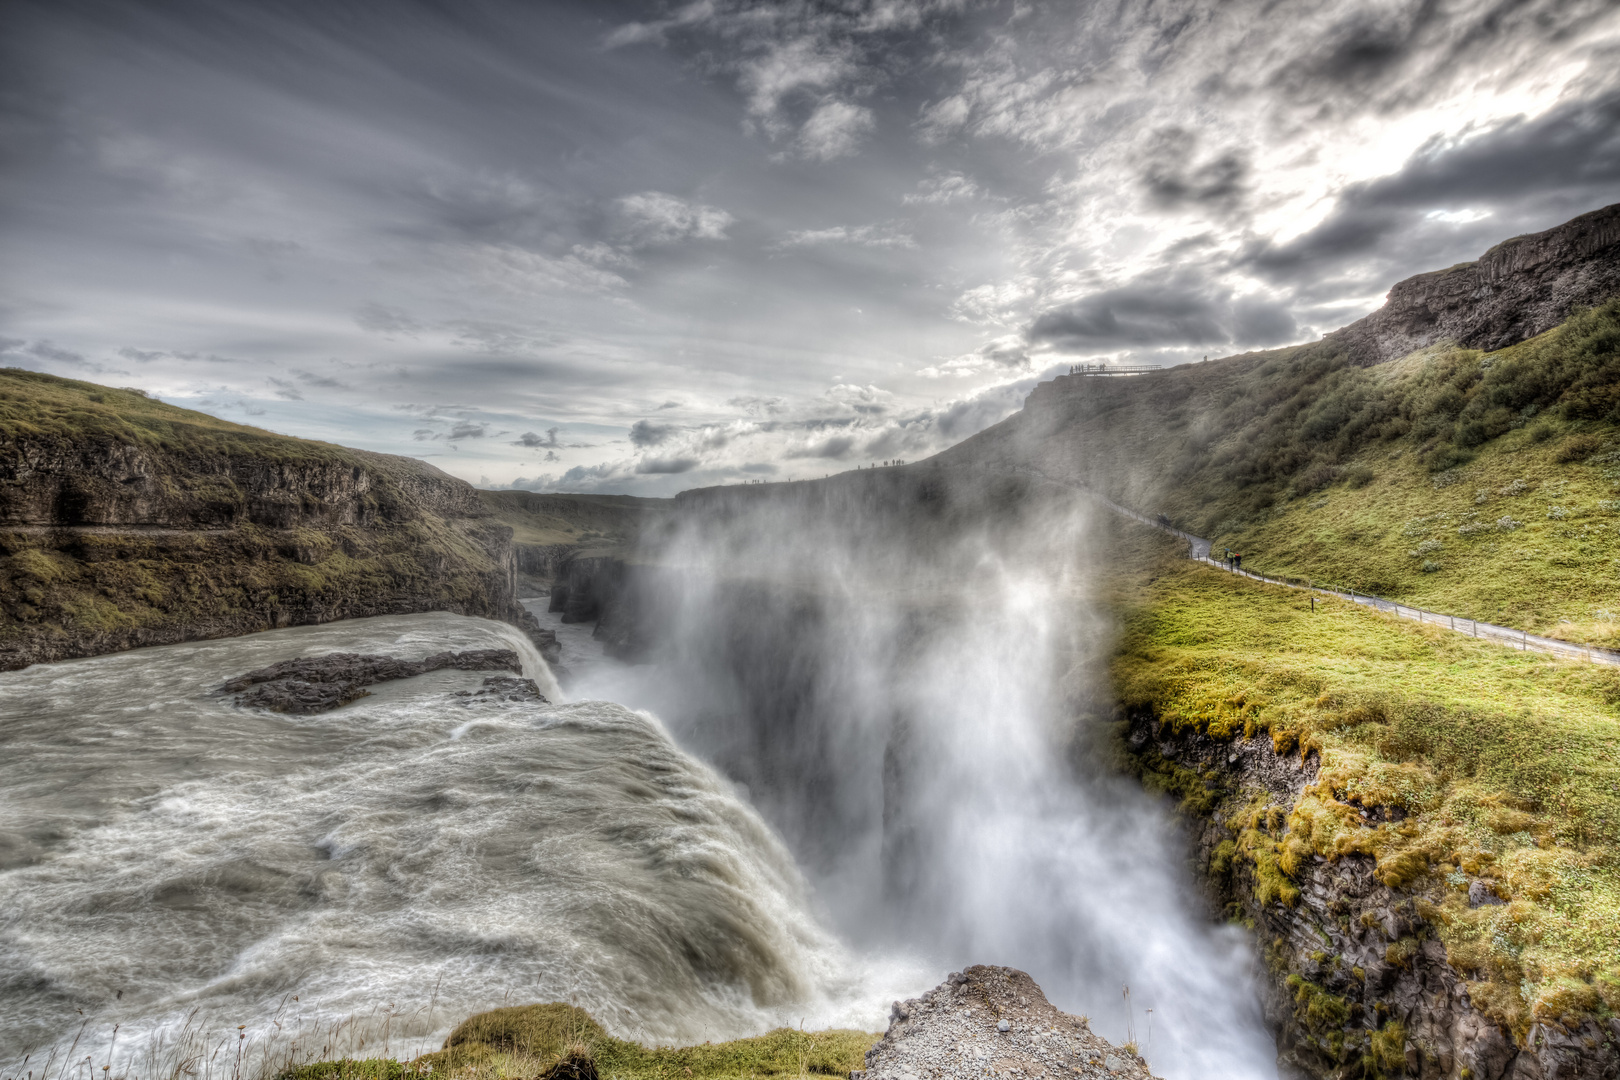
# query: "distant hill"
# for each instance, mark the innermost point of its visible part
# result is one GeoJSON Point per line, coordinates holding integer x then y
{"type": "Point", "coordinates": [547, 530]}
{"type": "Point", "coordinates": [1473, 481]}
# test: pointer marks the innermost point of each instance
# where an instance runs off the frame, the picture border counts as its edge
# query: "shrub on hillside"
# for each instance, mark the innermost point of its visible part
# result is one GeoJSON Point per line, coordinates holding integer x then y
{"type": "Point", "coordinates": [1579, 448]}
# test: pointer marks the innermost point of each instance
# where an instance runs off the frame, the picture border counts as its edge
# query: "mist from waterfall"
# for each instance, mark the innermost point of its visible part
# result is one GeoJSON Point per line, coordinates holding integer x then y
{"type": "Point", "coordinates": [906, 671]}
{"type": "Point", "coordinates": [870, 744]}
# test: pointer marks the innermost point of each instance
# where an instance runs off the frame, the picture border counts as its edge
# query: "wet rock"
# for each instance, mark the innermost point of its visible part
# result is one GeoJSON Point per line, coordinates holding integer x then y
{"type": "Point", "coordinates": [1481, 895]}
{"type": "Point", "coordinates": [506, 688]}
{"type": "Point", "coordinates": [992, 1021]}
{"type": "Point", "coordinates": [312, 684]}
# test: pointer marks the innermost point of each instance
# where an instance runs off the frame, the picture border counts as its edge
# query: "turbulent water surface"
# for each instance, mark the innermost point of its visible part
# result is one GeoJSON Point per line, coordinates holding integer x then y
{"type": "Point", "coordinates": [395, 864]}
{"type": "Point", "coordinates": [865, 747]}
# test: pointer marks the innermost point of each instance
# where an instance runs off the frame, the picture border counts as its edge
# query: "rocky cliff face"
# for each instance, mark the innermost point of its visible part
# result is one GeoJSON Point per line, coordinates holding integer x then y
{"type": "Point", "coordinates": [1516, 290]}
{"type": "Point", "coordinates": [1357, 985]}
{"type": "Point", "coordinates": [125, 522]}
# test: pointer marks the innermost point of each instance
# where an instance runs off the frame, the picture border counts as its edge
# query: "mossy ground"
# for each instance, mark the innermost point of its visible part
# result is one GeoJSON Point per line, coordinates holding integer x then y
{"type": "Point", "coordinates": [116, 583]}
{"type": "Point", "coordinates": [46, 407]}
{"type": "Point", "coordinates": [72, 591]}
{"type": "Point", "coordinates": [1504, 766]}
{"type": "Point", "coordinates": [557, 1040]}
{"type": "Point", "coordinates": [608, 521]}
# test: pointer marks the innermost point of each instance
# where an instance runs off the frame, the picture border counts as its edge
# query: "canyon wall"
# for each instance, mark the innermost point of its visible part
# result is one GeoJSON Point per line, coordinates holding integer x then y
{"type": "Point", "coordinates": [126, 522]}
{"type": "Point", "coordinates": [1355, 981]}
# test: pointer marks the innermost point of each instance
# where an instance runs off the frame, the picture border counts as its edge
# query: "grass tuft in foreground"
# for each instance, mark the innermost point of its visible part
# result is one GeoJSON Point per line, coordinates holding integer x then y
{"type": "Point", "coordinates": [563, 1042]}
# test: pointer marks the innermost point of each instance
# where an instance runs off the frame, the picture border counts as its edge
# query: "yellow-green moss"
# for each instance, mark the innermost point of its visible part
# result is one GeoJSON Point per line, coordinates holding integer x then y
{"type": "Point", "coordinates": [1472, 762]}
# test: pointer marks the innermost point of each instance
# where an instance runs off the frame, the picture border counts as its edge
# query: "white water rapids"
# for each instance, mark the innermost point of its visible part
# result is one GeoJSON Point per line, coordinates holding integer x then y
{"type": "Point", "coordinates": [906, 795]}
{"type": "Point", "coordinates": [165, 852]}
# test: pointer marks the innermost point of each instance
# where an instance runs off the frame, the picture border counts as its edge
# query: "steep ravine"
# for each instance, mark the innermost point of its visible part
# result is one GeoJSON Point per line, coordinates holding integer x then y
{"type": "Point", "coordinates": [1356, 983]}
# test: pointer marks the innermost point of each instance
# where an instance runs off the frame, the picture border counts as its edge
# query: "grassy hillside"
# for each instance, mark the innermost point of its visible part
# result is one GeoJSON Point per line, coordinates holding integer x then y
{"type": "Point", "coordinates": [564, 1041]}
{"type": "Point", "coordinates": [1479, 483]}
{"type": "Point", "coordinates": [45, 407]}
{"type": "Point", "coordinates": [582, 520]}
{"type": "Point", "coordinates": [1503, 766]}
{"type": "Point", "coordinates": [125, 521]}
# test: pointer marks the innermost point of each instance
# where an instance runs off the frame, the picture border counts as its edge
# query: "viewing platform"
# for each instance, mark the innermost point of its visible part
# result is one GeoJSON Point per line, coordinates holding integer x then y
{"type": "Point", "coordinates": [1088, 370]}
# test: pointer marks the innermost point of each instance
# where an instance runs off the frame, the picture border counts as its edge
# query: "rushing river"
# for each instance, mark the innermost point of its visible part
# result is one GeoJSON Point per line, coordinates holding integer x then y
{"type": "Point", "coordinates": [178, 866]}
{"type": "Point", "coordinates": [863, 752]}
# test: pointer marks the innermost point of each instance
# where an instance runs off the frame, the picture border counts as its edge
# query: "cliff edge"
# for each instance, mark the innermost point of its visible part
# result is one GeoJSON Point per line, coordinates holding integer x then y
{"type": "Point", "coordinates": [1518, 289]}
{"type": "Point", "coordinates": [126, 522]}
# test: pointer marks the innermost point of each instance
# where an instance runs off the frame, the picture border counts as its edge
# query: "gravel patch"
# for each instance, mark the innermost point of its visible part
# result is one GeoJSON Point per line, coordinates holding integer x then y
{"type": "Point", "coordinates": [992, 1022]}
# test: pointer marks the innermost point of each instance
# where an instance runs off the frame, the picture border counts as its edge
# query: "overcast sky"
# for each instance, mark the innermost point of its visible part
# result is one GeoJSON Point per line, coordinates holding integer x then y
{"type": "Point", "coordinates": [643, 247]}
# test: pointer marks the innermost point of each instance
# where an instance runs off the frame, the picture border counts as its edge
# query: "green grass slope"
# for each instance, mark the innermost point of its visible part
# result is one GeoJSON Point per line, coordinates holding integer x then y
{"type": "Point", "coordinates": [563, 1041]}
{"type": "Point", "coordinates": [1483, 484]}
{"type": "Point", "coordinates": [580, 520]}
{"type": "Point", "coordinates": [1505, 764]}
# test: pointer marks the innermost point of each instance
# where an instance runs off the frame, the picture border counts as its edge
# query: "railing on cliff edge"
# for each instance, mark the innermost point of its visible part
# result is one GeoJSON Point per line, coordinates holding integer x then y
{"type": "Point", "coordinates": [1199, 550]}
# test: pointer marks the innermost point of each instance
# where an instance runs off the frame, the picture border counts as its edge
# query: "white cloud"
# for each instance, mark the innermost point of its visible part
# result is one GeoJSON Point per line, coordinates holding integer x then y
{"type": "Point", "coordinates": [835, 130]}
{"type": "Point", "coordinates": [652, 218]}
{"type": "Point", "coordinates": [872, 236]}
{"type": "Point", "coordinates": [1008, 353]}
{"type": "Point", "coordinates": [943, 190]}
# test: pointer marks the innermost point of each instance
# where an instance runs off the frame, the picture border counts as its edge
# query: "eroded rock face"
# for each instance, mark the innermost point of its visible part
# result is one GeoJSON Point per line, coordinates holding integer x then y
{"type": "Point", "coordinates": [1516, 290]}
{"type": "Point", "coordinates": [1352, 961]}
{"type": "Point", "coordinates": [992, 1021]}
{"type": "Point", "coordinates": [111, 542]}
{"type": "Point", "coordinates": [312, 684]}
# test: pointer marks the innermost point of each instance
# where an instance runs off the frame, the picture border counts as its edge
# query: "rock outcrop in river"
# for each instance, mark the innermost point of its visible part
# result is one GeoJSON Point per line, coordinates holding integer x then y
{"type": "Point", "coordinates": [312, 684]}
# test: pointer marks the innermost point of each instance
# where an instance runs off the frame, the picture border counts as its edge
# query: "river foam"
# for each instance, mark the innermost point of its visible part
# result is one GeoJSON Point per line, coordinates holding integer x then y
{"type": "Point", "coordinates": [394, 865]}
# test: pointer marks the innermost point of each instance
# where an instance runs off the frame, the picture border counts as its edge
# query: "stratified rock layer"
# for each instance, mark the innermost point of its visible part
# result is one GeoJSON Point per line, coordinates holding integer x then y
{"type": "Point", "coordinates": [992, 1021]}
{"type": "Point", "coordinates": [127, 522]}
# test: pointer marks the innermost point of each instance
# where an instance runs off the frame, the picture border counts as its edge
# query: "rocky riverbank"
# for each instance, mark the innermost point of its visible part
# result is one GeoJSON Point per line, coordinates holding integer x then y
{"type": "Point", "coordinates": [126, 522]}
{"type": "Point", "coordinates": [1357, 983]}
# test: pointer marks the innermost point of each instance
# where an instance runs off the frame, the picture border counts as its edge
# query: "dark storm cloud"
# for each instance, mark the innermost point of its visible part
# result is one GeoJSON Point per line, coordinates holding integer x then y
{"type": "Point", "coordinates": [1182, 308]}
{"type": "Point", "coordinates": [534, 441]}
{"type": "Point", "coordinates": [1522, 171]}
{"type": "Point", "coordinates": [1173, 174]}
{"type": "Point", "coordinates": [667, 466]}
{"type": "Point", "coordinates": [646, 433]}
